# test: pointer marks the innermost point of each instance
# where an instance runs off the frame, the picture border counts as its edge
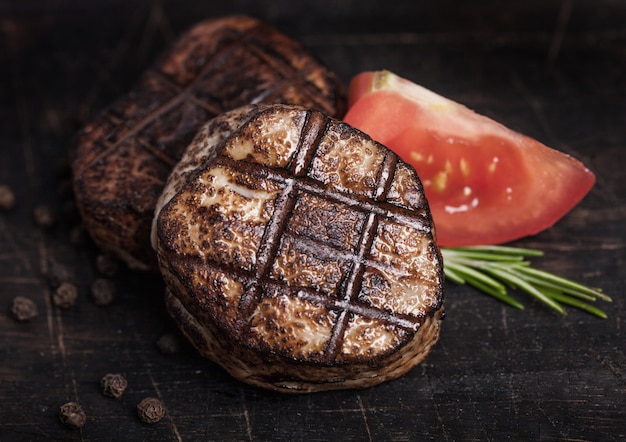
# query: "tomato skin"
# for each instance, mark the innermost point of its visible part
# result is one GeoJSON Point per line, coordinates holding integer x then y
{"type": "Point", "coordinates": [485, 183]}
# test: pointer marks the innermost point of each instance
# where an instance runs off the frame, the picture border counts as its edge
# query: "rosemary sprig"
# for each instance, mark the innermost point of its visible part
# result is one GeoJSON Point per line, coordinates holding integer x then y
{"type": "Point", "coordinates": [493, 269]}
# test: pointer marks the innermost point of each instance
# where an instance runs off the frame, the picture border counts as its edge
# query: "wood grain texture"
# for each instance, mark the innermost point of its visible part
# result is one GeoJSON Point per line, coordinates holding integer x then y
{"type": "Point", "coordinates": [553, 70]}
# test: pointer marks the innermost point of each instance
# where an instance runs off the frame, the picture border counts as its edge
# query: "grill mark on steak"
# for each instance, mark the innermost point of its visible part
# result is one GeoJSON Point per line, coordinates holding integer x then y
{"type": "Point", "coordinates": [354, 279]}
{"type": "Point", "coordinates": [326, 251]}
{"type": "Point", "coordinates": [158, 153]}
{"type": "Point", "coordinates": [312, 132]}
{"type": "Point", "coordinates": [205, 105]}
{"type": "Point", "coordinates": [267, 95]}
{"type": "Point", "coordinates": [415, 218]}
{"type": "Point", "coordinates": [322, 251]}
{"type": "Point", "coordinates": [385, 177]}
{"type": "Point", "coordinates": [287, 71]}
{"type": "Point", "coordinates": [405, 321]}
{"type": "Point", "coordinates": [350, 287]}
{"type": "Point", "coordinates": [183, 93]}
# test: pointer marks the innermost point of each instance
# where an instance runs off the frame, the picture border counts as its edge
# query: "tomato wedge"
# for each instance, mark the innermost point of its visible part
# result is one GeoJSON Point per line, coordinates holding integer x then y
{"type": "Point", "coordinates": [485, 183]}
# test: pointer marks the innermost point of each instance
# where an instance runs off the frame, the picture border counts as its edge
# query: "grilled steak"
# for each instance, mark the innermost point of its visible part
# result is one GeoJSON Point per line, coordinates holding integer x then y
{"type": "Point", "coordinates": [124, 155]}
{"type": "Point", "coordinates": [298, 253]}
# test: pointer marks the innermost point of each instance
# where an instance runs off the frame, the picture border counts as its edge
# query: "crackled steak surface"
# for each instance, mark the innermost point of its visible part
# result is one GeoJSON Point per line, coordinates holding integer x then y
{"type": "Point", "coordinates": [299, 253]}
{"type": "Point", "coordinates": [123, 157]}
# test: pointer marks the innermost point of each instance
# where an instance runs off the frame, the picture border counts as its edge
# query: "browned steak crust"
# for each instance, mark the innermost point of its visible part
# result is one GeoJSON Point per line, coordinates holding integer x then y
{"type": "Point", "coordinates": [124, 155]}
{"type": "Point", "coordinates": [299, 253]}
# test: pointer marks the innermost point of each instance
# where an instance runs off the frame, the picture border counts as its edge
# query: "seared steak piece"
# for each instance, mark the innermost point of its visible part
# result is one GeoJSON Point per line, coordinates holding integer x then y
{"type": "Point", "coordinates": [298, 253]}
{"type": "Point", "coordinates": [124, 155]}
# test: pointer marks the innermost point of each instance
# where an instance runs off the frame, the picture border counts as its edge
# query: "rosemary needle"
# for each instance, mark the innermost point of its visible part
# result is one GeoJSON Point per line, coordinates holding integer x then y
{"type": "Point", "coordinates": [462, 274]}
{"type": "Point", "coordinates": [493, 269]}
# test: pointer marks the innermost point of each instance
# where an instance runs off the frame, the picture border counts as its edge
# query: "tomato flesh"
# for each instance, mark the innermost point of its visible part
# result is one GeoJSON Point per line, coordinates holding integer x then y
{"type": "Point", "coordinates": [485, 183]}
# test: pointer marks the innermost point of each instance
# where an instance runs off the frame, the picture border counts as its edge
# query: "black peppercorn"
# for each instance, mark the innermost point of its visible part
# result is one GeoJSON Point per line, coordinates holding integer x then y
{"type": "Point", "coordinates": [7, 198]}
{"type": "Point", "coordinates": [65, 295]}
{"type": "Point", "coordinates": [24, 309]}
{"type": "Point", "coordinates": [168, 344]}
{"type": "Point", "coordinates": [113, 385]}
{"type": "Point", "coordinates": [44, 215]}
{"type": "Point", "coordinates": [58, 273]}
{"type": "Point", "coordinates": [150, 410]}
{"type": "Point", "coordinates": [72, 415]}
{"type": "Point", "coordinates": [107, 265]}
{"type": "Point", "coordinates": [78, 236]}
{"type": "Point", "coordinates": [103, 291]}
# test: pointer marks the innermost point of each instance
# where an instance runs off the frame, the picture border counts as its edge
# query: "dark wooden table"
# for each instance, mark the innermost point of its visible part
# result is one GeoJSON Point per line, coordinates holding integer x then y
{"type": "Point", "coordinates": [553, 70]}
